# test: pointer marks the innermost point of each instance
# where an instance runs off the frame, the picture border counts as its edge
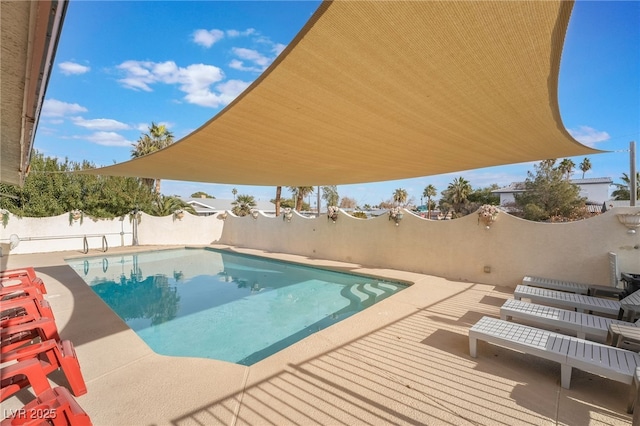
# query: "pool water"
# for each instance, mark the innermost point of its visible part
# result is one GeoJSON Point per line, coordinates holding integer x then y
{"type": "Point", "coordinates": [215, 304]}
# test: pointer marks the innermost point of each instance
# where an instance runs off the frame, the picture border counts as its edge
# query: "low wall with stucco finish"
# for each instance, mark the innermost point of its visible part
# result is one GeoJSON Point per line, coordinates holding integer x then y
{"type": "Point", "coordinates": [460, 249]}
{"type": "Point", "coordinates": [40, 235]}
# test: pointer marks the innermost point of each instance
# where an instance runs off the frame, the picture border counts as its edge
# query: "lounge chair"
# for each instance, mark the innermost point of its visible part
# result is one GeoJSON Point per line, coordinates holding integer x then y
{"type": "Point", "coordinates": [53, 355]}
{"type": "Point", "coordinates": [19, 375]}
{"type": "Point", "coordinates": [15, 336]}
{"type": "Point", "coordinates": [14, 309]}
{"type": "Point", "coordinates": [581, 324]}
{"type": "Point", "coordinates": [52, 407]}
{"type": "Point", "coordinates": [21, 277]}
{"type": "Point", "coordinates": [571, 300]}
{"type": "Point", "coordinates": [572, 287]}
{"type": "Point", "coordinates": [613, 363]}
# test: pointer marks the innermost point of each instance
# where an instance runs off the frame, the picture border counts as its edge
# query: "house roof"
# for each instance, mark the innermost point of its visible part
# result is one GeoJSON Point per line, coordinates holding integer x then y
{"type": "Point", "coordinates": [202, 205]}
{"type": "Point", "coordinates": [372, 91]}
{"type": "Point", "coordinates": [29, 36]}
{"type": "Point", "coordinates": [520, 186]}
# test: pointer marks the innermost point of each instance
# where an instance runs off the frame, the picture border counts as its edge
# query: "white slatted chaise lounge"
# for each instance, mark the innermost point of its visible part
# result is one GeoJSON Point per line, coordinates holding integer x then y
{"type": "Point", "coordinates": [583, 325]}
{"type": "Point", "coordinates": [613, 363]}
{"type": "Point", "coordinates": [572, 287]}
{"type": "Point", "coordinates": [568, 300]}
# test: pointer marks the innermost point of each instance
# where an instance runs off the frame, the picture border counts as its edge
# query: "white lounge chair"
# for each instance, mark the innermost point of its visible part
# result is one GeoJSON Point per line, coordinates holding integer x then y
{"type": "Point", "coordinates": [572, 287]}
{"type": "Point", "coordinates": [569, 300]}
{"type": "Point", "coordinates": [613, 363]}
{"type": "Point", "coordinates": [583, 325]}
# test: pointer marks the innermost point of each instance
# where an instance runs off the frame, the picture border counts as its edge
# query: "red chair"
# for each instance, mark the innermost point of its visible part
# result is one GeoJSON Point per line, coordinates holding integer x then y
{"type": "Point", "coordinates": [19, 375]}
{"type": "Point", "coordinates": [15, 336]}
{"type": "Point", "coordinates": [21, 277]}
{"type": "Point", "coordinates": [53, 407]}
{"type": "Point", "coordinates": [12, 310]}
{"type": "Point", "coordinates": [53, 355]}
{"type": "Point", "coordinates": [12, 293]}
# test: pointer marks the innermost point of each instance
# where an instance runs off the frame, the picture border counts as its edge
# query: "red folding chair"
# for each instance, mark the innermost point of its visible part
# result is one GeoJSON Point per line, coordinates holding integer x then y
{"type": "Point", "coordinates": [12, 311]}
{"type": "Point", "coordinates": [19, 375]}
{"type": "Point", "coordinates": [15, 336]}
{"type": "Point", "coordinates": [21, 277]}
{"type": "Point", "coordinates": [53, 355]}
{"type": "Point", "coordinates": [53, 407]}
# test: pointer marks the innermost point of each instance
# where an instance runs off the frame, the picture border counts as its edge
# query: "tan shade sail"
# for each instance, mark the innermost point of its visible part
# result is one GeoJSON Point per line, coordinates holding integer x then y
{"type": "Point", "coordinates": [374, 91]}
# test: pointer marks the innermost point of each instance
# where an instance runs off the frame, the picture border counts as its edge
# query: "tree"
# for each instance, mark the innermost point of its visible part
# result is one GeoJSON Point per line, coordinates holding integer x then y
{"type": "Point", "coordinates": [166, 205]}
{"type": "Point", "coordinates": [243, 204]}
{"type": "Point", "coordinates": [566, 167]}
{"type": "Point", "coordinates": [622, 191]}
{"type": "Point", "coordinates": [48, 192]}
{"type": "Point", "coordinates": [458, 192]}
{"type": "Point", "coordinates": [429, 191]}
{"type": "Point", "coordinates": [159, 137]}
{"type": "Point", "coordinates": [330, 195]}
{"type": "Point", "coordinates": [234, 191]}
{"type": "Point", "coordinates": [300, 192]}
{"type": "Point", "coordinates": [585, 166]}
{"type": "Point", "coordinates": [400, 196]}
{"type": "Point", "coordinates": [201, 194]}
{"type": "Point", "coordinates": [348, 203]}
{"type": "Point", "coordinates": [549, 195]}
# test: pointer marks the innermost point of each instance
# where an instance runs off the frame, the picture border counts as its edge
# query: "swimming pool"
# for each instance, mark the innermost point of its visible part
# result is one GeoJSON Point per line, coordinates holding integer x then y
{"type": "Point", "coordinates": [215, 304]}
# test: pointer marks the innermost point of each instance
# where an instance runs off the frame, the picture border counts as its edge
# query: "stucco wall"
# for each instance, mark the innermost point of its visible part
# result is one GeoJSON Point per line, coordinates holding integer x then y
{"type": "Point", "coordinates": [40, 235]}
{"type": "Point", "coordinates": [457, 249]}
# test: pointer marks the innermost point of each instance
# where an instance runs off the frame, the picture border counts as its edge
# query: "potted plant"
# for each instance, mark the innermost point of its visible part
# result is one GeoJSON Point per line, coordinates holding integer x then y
{"type": "Point", "coordinates": [396, 214]}
{"type": "Point", "coordinates": [135, 215]}
{"type": "Point", "coordinates": [4, 213]}
{"type": "Point", "coordinates": [178, 214]}
{"type": "Point", "coordinates": [332, 213]}
{"type": "Point", "coordinates": [75, 215]}
{"type": "Point", "coordinates": [488, 214]}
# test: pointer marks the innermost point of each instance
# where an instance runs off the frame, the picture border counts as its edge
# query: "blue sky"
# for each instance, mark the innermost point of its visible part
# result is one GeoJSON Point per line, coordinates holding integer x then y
{"type": "Point", "coordinates": [121, 65]}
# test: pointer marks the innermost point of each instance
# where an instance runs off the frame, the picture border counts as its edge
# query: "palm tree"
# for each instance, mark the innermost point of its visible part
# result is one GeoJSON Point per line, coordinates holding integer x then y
{"type": "Point", "coordinates": [585, 166]}
{"type": "Point", "coordinates": [300, 192]}
{"type": "Point", "coordinates": [278, 197]}
{"type": "Point", "coordinates": [157, 138]}
{"type": "Point", "coordinates": [622, 192]}
{"type": "Point", "coordinates": [459, 191]}
{"type": "Point", "coordinates": [566, 166]}
{"type": "Point", "coordinates": [166, 205]}
{"type": "Point", "coordinates": [429, 191]}
{"type": "Point", "coordinates": [243, 204]}
{"type": "Point", "coordinates": [234, 192]}
{"type": "Point", "coordinates": [400, 196]}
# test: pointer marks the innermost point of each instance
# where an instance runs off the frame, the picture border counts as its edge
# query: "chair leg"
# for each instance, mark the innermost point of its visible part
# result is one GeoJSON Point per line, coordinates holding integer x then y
{"type": "Point", "coordinates": [565, 376]}
{"type": "Point", "coordinates": [473, 346]}
{"type": "Point", "coordinates": [22, 374]}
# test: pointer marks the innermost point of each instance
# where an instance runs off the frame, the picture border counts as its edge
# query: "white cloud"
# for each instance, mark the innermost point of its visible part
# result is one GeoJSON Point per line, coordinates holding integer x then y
{"type": "Point", "coordinates": [245, 33]}
{"type": "Point", "coordinates": [588, 135]}
{"type": "Point", "coordinates": [107, 139]}
{"type": "Point", "coordinates": [55, 108]}
{"type": "Point", "coordinates": [252, 55]}
{"type": "Point", "coordinates": [195, 81]}
{"type": "Point", "coordinates": [278, 48]}
{"type": "Point", "coordinates": [69, 68]}
{"type": "Point", "coordinates": [240, 66]}
{"type": "Point", "coordinates": [100, 124]}
{"type": "Point", "coordinates": [207, 38]}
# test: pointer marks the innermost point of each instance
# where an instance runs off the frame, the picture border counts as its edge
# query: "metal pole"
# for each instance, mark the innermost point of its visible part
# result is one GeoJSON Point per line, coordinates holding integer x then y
{"type": "Point", "coordinates": [633, 184]}
{"type": "Point", "coordinates": [318, 201]}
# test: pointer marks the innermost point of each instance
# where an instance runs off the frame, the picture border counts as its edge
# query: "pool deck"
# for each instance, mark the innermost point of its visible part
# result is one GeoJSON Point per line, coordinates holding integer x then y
{"type": "Point", "coordinates": [404, 361]}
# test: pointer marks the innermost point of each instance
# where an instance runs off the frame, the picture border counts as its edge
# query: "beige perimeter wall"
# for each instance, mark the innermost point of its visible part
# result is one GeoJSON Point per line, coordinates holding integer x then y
{"type": "Point", "coordinates": [460, 249]}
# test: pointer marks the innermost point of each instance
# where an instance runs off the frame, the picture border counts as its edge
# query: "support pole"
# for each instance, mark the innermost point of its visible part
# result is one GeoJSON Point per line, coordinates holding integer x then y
{"type": "Point", "coordinates": [633, 181]}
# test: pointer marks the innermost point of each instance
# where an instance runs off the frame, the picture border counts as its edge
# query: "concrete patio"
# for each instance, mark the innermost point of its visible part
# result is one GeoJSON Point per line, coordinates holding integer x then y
{"type": "Point", "coordinates": [403, 361]}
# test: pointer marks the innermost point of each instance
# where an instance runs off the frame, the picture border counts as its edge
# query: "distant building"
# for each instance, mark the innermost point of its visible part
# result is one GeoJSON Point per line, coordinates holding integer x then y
{"type": "Point", "coordinates": [595, 190]}
{"type": "Point", "coordinates": [211, 206]}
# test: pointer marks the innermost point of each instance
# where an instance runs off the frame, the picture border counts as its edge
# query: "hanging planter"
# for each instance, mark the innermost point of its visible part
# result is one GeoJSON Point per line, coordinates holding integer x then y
{"type": "Point", "coordinates": [75, 215]}
{"type": "Point", "coordinates": [178, 214]}
{"type": "Point", "coordinates": [288, 214]}
{"type": "Point", "coordinates": [487, 214]}
{"type": "Point", "coordinates": [332, 213]}
{"type": "Point", "coordinates": [5, 217]}
{"type": "Point", "coordinates": [396, 215]}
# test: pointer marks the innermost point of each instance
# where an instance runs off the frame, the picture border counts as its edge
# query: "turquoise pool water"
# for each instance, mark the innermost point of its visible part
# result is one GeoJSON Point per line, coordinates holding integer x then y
{"type": "Point", "coordinates": [214, 304]}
